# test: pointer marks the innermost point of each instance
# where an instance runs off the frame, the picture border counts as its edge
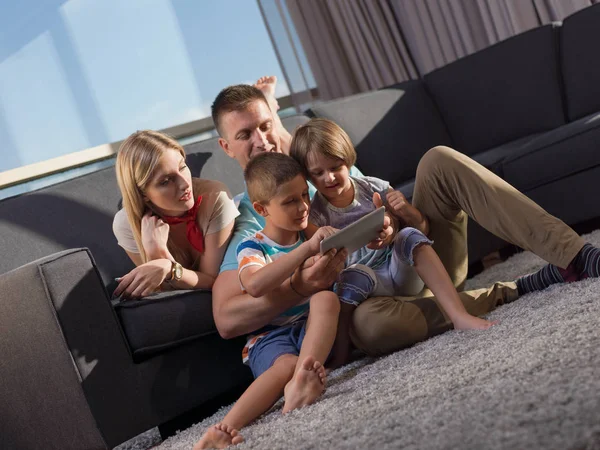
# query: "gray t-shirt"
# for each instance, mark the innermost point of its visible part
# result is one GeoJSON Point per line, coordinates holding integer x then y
{"type": "Point", "coordinates": [323, 213]}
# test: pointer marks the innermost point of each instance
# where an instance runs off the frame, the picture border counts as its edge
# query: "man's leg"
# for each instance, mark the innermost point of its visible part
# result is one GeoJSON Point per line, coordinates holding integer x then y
{"type": "Point", "coordinates": [384, 324]}
{"type": "Point", "coordinates": [449, 186]}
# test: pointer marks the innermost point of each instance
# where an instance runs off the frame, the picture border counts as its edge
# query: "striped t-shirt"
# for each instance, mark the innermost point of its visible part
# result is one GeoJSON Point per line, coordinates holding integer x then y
{"type": "Point", "coordinates": [259, 250]}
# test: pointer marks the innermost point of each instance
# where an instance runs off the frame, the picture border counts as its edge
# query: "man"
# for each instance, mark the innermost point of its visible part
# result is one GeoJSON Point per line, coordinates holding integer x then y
{"type": "Point", "coordinates": [448, 187]}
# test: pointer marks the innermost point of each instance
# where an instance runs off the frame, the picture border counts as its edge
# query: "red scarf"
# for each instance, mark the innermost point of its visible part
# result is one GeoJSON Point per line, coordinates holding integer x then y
{"type": "Point", "coordinates": [193, 232]}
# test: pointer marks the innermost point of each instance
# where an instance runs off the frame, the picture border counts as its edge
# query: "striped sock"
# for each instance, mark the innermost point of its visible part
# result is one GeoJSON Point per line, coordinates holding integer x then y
{"type": "Point", "coordinates": [587, 262]}
{"type": "Point", "coordinates": [546, 277]}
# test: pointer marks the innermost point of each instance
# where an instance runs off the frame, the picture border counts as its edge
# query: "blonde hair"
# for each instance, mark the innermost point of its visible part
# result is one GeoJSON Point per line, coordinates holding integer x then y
{"type": "Point", "coordinates": [137, 159]}
{"type": "Point", "coordinates": [321, 136]}
{"type": "Point", "coordinates": [267, 172]}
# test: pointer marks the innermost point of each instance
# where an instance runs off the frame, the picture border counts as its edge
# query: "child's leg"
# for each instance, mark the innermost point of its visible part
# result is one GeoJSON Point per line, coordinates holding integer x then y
{"type": "Point", "coordinates": [308, 382]}
{"type": "Point", "coordinates": [355, 284]}
{"type": "Point", "coordinates": [413, 247]}
{"type": "Point", "coordinates": [257, 399]}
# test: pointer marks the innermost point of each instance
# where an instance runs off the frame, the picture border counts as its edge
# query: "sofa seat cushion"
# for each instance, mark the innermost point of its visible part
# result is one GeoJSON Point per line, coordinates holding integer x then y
{"type": "Point", "coordinates": [554, 155]}
{"type": "Point", "coordinates": [165, 320]}
{"type": "Point", "coordinates": [580, 34]}
{"type": "Point", "coordinates": [390, 128]}
{"type": "Point", "coordinates": [492, 158]}
{"type": "Point", "coordinates": [501, 93]}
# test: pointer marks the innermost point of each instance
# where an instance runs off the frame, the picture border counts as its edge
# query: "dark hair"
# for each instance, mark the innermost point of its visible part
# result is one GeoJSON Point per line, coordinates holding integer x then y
{"type": "Point", "coordinates": [266, 172]}
{"type": "Point", "coordinates": [234, 98]}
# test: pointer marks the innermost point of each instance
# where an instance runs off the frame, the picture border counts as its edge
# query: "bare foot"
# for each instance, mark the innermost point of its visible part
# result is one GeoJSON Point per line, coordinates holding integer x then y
{"type": "Point", "coordinates": [267, 86]}
{"type": "Point", "coordinates": [306, 386]}
{"type": "Point", "coordinates": [219, 436]}
{"type": "Point", "coordinates": [469, 322]}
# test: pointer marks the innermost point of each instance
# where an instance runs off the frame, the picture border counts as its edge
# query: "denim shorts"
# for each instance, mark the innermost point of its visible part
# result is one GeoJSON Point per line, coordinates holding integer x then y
{"type": "Point", "coordinates": [285, 340]}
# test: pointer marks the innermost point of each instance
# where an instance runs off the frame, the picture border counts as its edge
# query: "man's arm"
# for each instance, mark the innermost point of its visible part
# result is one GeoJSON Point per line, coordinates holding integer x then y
{"type": "Point", "coordinates": [236, 313]}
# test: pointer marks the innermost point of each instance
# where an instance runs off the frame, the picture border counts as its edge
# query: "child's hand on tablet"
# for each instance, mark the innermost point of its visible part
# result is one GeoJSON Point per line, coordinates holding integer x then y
{"type": "Point", "coordinates": [320, 234]}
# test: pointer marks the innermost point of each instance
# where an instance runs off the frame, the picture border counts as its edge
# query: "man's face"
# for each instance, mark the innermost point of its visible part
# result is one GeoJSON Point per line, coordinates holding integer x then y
{"type": "Point", "coordinates": [249, 132]}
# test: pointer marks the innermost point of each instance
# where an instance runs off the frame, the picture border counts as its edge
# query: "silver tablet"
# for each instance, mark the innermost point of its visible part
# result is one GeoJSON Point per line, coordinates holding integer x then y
{"type": "Point", "coordinates": [357, 234]}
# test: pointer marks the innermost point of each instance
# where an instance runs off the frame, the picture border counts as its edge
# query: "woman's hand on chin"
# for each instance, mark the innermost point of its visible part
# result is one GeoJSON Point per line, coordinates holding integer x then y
{"type": "Point", "coordinates": [144, 279]}
{"type": "Point", "coordinates": [155, 233]}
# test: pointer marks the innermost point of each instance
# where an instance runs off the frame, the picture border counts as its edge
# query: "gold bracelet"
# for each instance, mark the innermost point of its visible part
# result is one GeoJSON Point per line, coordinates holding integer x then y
{"type": "Point", "coordinates": [292, 287]}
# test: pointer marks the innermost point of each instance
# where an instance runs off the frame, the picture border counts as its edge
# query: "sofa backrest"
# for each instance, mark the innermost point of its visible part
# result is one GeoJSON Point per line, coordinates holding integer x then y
{"type": "Point", "coordinates": [501, 93]}
{"type": "Point", "coordinates": [75, 213]}
{"type": "Point", "coordinates": [79, 212]}
{"type": "Point", "coordinates": [580, 62]}
{"type": "Point", "coordinates": [390, 128]}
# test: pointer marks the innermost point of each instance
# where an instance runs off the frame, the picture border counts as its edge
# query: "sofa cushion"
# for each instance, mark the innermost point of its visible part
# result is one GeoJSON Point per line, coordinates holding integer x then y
{"type": "Point", "coordinates": [502, 93]}
{"type": "Point", "coordinates": [165, 320]}
{"type": "Point", "coordinates": [391, 128]}
{"type": "Point", "coordinates": [556, 154]}
{"type": "Point", "coordinates": [579, 58]}
{"type": "Point", "coordinates": [75, 213]}
{"type": "Point", "coordinates": [492, 158]}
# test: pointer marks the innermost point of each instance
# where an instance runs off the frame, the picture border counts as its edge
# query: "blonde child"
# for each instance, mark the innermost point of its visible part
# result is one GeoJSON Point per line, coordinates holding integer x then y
{"type": "Point", "coordinates": [287, 356]}
{"type": "Point", "coordinates": [401, 265]}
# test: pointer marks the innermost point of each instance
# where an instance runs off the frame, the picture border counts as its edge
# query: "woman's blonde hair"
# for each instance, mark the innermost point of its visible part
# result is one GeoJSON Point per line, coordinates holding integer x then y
{"type": "Point", "coordinates": [137, 159]}
{"type": "Point", "coordinates": [321, 136]}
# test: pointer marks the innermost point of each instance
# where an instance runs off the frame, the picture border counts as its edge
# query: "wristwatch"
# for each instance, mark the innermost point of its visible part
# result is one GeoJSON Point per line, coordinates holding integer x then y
{"type": "Point", "coordinates": [176, 271]}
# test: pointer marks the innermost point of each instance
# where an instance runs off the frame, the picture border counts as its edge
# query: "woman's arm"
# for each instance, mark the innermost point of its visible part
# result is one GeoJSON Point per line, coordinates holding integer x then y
{"type": "Point", "coordinates": [215, 245]}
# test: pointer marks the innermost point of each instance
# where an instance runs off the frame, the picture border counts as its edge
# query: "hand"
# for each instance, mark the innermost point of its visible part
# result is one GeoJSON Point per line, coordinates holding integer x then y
{"type": "Point", "coordinates": [315, 241]}
{"type": "Point", "coordinates": [386, 235]}
{"type": "Point", "coordinates": [144, 279]}
{"type": "Point", "coordinates": [155, 233]}
{"type": "Point", "coordinates": [405, 212]}
{"type": "Point", "coordinates": [319, 272]}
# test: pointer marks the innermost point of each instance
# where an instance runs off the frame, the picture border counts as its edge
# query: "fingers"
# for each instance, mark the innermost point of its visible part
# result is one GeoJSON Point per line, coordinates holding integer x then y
{"type": "Point", "coordinates": [377, 200]}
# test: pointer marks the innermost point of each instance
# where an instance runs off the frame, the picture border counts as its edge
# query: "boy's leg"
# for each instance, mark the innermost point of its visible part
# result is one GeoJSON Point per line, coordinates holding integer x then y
{"type": "Point", "coordinates": [384, 324]}
{"type": "Point", "coordinates": [255, 401]}
{"type": "Point", "coordinates": [449, 186]}
{"type": "Point", "coordinates": [321, 326]}
{"type": "Point", "coordinates": [308, 380]}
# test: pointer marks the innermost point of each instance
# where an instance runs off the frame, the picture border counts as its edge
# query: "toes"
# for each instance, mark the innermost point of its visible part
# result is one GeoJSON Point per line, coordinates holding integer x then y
{"type": "Point", "coordinates": [237, 440]}
{"type": "Point", "coordinates": [308, 363]}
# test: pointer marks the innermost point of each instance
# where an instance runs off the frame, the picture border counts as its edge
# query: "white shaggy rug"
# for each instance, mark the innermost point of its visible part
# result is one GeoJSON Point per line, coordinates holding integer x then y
{"type": "Point", "coordinates": [532, 381]}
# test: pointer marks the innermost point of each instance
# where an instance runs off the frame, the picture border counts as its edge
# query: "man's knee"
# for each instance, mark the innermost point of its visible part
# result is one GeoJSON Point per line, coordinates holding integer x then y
{"type": "Point", "coordinates": [436, 157]}
{"type": "Point", "coordinates": [325, 302]}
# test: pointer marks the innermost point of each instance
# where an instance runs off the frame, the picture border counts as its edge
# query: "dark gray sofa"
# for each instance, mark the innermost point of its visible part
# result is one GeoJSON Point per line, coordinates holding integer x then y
{"type": "Point", "coordinates": [79, 372]}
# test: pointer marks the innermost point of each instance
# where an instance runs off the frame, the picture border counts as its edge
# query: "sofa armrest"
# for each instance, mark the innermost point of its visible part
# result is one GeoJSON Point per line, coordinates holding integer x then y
{"type": "Point", "coordinates": [43, 403]}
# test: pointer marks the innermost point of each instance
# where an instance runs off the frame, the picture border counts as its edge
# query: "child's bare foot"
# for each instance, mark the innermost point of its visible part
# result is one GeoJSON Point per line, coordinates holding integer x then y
{"type": "Point", "coordinates": [306, 386]}
{"type": "Point", "coordinates": [267, 86]}
{"type": "Point", "coordinates": [469, 322]}
{"type": "Point", "coordinates": [219, 436]}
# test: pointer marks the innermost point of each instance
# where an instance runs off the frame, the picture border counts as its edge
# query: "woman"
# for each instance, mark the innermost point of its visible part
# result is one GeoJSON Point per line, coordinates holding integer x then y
{"type": "Point", "coordinates": [175, 228]}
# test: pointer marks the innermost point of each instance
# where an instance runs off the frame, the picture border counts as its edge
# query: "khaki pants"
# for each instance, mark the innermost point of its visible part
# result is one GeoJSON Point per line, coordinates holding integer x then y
{"type": "Point", "coordinates": [450, 187]}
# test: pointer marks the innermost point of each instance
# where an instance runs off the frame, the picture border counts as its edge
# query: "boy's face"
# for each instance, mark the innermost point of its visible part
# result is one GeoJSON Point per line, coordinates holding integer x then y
{"type": "Point", "coordinates": [289, 208]}
{"type": "Point", "coordinates": [329, 175]}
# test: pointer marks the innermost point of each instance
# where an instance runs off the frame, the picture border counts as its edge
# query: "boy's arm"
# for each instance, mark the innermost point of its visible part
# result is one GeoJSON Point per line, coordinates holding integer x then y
{"type": "Point", "coordinates": [260, 280]}
{"type": "Point", "coordinates": [236, 313]}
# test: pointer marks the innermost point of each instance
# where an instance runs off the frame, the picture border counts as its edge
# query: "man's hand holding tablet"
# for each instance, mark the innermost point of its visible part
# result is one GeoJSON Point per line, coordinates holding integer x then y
{"type": "Point", "coordinates": [358, 234]}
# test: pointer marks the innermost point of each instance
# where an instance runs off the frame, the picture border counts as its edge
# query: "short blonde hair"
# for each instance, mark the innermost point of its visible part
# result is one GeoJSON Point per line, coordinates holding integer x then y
{"type": "Point", "coordinates": [321, 136]}
{"type": "Point", "coordinates": [137, 159]}
{"type": "Point", "coordinates": [266, 172]}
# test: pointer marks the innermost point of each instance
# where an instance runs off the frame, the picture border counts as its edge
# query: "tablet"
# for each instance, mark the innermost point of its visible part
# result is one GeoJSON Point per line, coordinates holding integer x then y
{"type": "Point", "coordinates": [357, 234]}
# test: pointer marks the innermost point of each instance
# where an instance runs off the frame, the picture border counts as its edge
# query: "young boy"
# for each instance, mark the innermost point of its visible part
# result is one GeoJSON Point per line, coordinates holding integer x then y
{"type": "Point", "coordinates": [287, 356]}
{"type": "Point", "coordinates": [400, 265]}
